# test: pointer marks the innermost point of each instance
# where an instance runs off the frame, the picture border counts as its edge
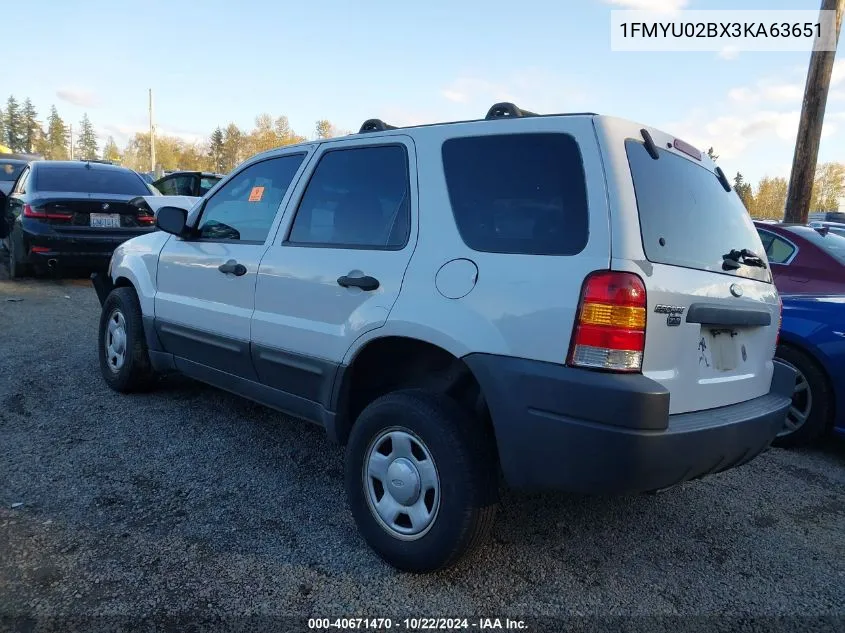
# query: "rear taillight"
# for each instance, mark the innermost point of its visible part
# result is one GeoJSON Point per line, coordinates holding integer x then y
{"type": "Point", "coordinates": [40, 214]}
{"type": "Point", "coordinates": [780, 321]}
{"type": "Point", "coordinates": [146, 219]}
{"type": "Point", "coordinates": [609, 331]}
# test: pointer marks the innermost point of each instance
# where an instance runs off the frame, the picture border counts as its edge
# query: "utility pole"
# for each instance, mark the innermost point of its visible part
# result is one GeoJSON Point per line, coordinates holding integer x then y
{"type": "Point", "coordinates": [152, 136]}
{"type": "Point", "coordinates": [810, 126]}
{"type": "Point", "coordinates": [71, 141]}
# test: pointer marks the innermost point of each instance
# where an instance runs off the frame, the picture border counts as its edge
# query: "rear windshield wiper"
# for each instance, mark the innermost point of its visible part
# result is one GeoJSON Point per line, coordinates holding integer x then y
{"type": "Point", "coordinates": [734, 259]}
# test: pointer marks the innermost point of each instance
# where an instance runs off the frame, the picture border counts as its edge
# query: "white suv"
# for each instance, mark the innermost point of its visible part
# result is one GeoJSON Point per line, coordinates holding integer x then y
{"type": "Point", "coordinates": [574, 301]}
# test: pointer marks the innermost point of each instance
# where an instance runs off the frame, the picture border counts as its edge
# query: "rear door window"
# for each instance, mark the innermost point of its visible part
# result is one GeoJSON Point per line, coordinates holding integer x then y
{"type": "Point", "coordinates": [778, 250]}
{"type": "Point", "coordinates": [686, 217]}
{"type": "Point", "coordinates": [518, 193]}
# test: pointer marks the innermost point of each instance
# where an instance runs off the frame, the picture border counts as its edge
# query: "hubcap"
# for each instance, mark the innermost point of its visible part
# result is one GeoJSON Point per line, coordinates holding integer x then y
{"type": "Point", "coordinates": [401, 483]}
{"type": "Point", "coordinates": [802, 405]}
{"type": "Point", "coordinates": [115, 339]}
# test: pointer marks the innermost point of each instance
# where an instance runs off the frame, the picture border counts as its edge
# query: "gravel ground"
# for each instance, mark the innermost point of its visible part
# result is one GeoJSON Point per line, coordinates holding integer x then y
{"type": "Point", "coordinates": [191, 500]}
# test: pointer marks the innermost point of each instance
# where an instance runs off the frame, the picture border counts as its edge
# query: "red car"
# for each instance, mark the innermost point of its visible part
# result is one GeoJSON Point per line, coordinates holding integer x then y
{"type": "Point", "coordinates": [804, 260]}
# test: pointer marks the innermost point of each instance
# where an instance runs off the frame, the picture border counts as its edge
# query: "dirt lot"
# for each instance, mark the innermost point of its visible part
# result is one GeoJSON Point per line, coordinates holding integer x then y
{"type": "Point", "coordinates": [190, 500]}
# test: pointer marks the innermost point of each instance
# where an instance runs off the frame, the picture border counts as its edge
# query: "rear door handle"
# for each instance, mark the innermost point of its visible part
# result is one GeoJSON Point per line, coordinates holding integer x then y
{"type": "Point", "coordinates": [364, 283]}
{"type": "Point", "coordinates": [232, 268]}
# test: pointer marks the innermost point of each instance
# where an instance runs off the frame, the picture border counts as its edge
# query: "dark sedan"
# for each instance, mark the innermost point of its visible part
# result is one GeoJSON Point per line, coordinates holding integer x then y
{"type": "Point", "coordinates": [804, 260]}
{"type": "Point", "coordinates": [71, 213]}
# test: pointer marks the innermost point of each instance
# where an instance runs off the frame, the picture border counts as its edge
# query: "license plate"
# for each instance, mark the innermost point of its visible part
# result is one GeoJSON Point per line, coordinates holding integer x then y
{"type": "Point", "coordinates": [105, 220]}
{"type": "Point", "coordinates": [718, 351]}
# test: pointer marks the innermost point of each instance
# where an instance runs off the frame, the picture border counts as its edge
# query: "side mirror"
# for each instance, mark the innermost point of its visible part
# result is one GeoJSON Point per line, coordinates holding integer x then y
{"type": "Point", "coordinates": [172, 220]}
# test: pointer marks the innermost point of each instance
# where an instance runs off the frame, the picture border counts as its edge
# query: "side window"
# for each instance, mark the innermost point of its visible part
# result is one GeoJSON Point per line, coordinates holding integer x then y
{"type": "Point", "coordinates": [358, 198]}
{"type": "Point", "coordinates": [183, 185]}
{"type": "Point", "coordinates": [24, 177]}
{"type": "Point", "coordinates": [779, 251]}
{"type": "Point", "coordinates": [244, 209]}
{"type": "Point", "coordinates": [518, 193]}
{"type": "Point", "coordinates": [166, 186]}
{"type": "Point", "coordinates": [207, 183]}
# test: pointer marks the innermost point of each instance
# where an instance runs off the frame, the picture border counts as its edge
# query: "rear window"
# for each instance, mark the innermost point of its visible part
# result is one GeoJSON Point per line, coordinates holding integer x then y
{"type": "Point", "coordinates": [10, 171]}
{"type": "Point", "coordinates": [832, 244]}
{"type": "Point", "coordinates": [518, 193]}
{"type": "Point", "coordinates": [686, 217]}
{"type": "Point", "coordinates": [93, 180]}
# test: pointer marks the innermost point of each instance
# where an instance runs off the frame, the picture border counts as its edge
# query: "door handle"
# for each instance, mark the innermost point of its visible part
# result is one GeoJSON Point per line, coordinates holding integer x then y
{"type": "Point", "coordinates": [232, 268]}
{"type": "Point", "coordinates": [364, 283]}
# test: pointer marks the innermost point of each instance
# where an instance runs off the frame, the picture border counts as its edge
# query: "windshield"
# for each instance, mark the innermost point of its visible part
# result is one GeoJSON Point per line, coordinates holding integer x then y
{"type": "Point", "coordinates": [93, 180]}
{"type": "Point", "coordinates": [10, 171]}
{"type": "Point", "coordinates": [831, 243]}
{"type": "Point", "coordinates": [687, 218]}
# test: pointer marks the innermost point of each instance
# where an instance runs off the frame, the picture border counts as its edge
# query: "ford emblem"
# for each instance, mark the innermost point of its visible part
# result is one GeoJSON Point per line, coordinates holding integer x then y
{"type": "Point", "coordinates": [736, 290]}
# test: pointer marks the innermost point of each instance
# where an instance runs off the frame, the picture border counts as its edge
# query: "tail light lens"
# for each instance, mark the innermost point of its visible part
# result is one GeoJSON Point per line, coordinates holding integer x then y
{"type": "Point", "coordinates": [780, 321]}
{"type": "Point", "coordinates": [609, 332]}
{"type": "Point", "coordinates": [40, 214]}
{"type": "Point", "coordinates": [146, 219]}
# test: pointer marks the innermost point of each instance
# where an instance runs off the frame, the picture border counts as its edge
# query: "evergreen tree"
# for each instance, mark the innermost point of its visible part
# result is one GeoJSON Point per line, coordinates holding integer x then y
{"type": "Point", "coordinates": [57, 137]}
{"type": "Point", "coordinates": [743, 190]}
{"type": "Point", "coordinates": [232, 147]}
{"type": "Point", "coordinates": [14, 126]}
{"type": "Point", "coordinates": [216, 149]}
{"type": "Point", "coordinates": [110, 151]}
{"type": "Point", "coordinates": [31, 128]}
{"type": "Point", "coordinates": [2, 127]}
{"type": "Point", "coordinates": [86, 145]}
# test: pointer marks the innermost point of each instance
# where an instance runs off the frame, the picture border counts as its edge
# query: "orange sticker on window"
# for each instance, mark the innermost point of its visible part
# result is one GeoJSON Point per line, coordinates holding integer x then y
{"type": "Point", "coordinates": [256, 194]}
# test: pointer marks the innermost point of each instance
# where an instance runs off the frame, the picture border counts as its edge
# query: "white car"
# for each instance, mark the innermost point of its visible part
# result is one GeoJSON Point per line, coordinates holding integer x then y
{"type": "Point", "coordinates": [577, 302]}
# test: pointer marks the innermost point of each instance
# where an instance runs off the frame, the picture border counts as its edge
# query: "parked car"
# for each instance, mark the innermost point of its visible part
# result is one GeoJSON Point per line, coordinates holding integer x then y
{"type": "Point", "coordinates": [804, 260]}
{"type": "Point", "coordinates": [447, 302]}
{"type": "Point", "coordinates": [827, 216]}
{"type": "Point", "coordinates": [834, 227]}
{"type": "Point", "coordinates": [71, 213]}
{"type": "Point", "coordinates": [10, 169]}
{"type": "Point", "coordinates": [811, 342]}
{"type": "Point", "coordinates": [187, 183]}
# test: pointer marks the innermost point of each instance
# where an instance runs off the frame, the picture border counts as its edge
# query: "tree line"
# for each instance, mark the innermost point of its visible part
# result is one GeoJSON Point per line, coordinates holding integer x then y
{"type": "Point", "coordinates": [22, 131]}
{"type": "Point", "coordinates": [767, 200]}
{"type": "Point", "coordinates": [226, 147]}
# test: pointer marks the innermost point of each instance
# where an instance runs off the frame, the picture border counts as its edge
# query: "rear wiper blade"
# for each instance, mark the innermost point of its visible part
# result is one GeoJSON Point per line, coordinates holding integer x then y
{"type": "Point", "coordinates": [733, 260]}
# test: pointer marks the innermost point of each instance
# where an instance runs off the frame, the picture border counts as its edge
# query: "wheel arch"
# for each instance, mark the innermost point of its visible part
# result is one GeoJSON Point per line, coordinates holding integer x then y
{"type": "Point", "coordinates": [387, 363]}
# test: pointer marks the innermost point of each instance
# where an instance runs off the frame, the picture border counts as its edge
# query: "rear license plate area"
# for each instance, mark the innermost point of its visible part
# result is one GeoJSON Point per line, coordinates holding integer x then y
{"type": "Point", "coordinates": [105, 220]}
{"type": "Point", "coordinates": [719, 350]}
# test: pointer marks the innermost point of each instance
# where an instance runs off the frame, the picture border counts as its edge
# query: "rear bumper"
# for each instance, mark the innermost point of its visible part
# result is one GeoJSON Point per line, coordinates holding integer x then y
{"type": "Point", "coordinates": [598, 433]}
{"type": "Point", "coordinates": [81, 250]}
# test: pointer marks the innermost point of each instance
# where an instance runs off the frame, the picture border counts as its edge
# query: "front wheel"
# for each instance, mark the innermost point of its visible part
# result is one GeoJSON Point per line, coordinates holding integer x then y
{"type": "Point", "coordinates": [421, 479]}
{"type": "Point", "coordinates": [124, 359]}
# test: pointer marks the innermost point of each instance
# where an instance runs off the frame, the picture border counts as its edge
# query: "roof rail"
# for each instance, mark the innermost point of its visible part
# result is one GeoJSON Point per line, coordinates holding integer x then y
{"type": "Point", "coordinates": [375, 125]}
{"type": "Point", "coordinates": [506, 110]}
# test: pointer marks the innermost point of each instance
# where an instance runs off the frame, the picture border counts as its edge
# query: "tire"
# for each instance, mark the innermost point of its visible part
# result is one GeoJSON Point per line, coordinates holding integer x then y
{"type": "Point", "coordinates": [814, 400]}
{"type": "Point", "coordinates": [131, 372]}
{"type": "Point", "coordinates": [17, 270]}
{"type": "Point", "coordinates": [462, 504]}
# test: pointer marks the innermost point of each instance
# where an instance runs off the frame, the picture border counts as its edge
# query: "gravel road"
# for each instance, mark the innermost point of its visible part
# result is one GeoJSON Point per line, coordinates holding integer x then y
{"type": "Point", "coordinates": [193, 500]}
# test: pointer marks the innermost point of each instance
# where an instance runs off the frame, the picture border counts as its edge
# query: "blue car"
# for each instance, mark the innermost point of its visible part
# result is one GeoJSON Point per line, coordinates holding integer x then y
{"type": "Point", "coordinates": [812, 340]}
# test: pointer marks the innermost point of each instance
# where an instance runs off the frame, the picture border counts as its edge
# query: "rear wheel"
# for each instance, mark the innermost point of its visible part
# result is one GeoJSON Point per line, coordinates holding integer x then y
{"type": "Point", "coordinates": [421, 479]}
{"type": "Point", "coordinates": [124, 359]}
{"type": "Point", "coordinates": [812, 400]}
